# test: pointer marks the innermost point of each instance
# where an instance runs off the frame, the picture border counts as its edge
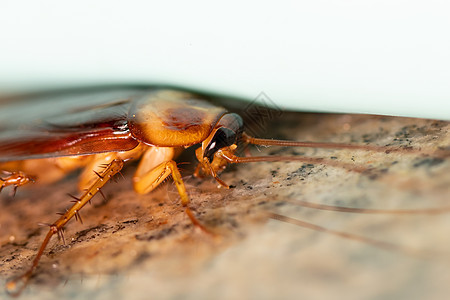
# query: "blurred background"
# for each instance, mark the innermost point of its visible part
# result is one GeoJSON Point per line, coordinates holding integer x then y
{"type": "Point", "coordinates": [380, 57]}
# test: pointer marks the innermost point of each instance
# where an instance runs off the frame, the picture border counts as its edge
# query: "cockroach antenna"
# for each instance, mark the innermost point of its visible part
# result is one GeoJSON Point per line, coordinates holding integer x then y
{"type": "Point", "coordinates": [423, 211]}
{"type": "Point", "coordinates": [377, 243]}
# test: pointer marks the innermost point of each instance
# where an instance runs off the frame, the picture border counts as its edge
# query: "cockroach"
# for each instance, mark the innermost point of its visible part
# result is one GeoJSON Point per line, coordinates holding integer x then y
{"type": "Point", "coordinates": [101, 134]}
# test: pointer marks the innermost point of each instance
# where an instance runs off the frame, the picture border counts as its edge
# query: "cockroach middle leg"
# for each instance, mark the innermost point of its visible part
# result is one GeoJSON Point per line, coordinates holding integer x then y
{"type": "Point", "coordinates": [15, 286]}
{"type": "Point", "coordinates": [150, 180]}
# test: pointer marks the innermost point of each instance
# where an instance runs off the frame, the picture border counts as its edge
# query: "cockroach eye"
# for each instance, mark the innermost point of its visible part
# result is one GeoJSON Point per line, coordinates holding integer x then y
{"type": "Point", "coordinates": [223, 137]}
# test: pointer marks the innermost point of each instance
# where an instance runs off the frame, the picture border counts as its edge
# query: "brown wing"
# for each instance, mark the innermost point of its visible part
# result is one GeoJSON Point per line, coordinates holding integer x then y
{"type": "Point", "coordinates": [77, 123]}
{"type": "Point", "coordinates": [168, 118]}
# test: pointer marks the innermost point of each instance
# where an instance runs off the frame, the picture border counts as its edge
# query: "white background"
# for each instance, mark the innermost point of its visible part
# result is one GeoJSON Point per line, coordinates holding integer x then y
{"type": "Point", "coordinates": [386, 57]}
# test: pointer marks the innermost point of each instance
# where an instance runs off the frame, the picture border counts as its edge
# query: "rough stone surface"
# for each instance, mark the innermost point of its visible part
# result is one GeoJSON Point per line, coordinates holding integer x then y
{"type": "Point", "coordinates": [141, 247]}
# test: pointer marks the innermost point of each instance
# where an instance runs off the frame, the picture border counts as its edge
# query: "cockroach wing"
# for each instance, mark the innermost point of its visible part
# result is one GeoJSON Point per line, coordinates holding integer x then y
{"type": "Point", "coordinates": [169, 118]}
{"type": "Point", "coordinates": [67, 124]}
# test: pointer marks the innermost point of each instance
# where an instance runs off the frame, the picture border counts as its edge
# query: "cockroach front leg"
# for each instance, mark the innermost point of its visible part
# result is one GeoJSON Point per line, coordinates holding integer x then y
{"type": "Point", "coordinates": [15, 286]}
{"type": "Point", "coordinates": [15, 179]}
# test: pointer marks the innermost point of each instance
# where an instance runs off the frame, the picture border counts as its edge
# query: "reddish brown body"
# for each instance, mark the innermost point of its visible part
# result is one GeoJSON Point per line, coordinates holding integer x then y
{"type": "Point", "coordinates": [102, 133]}
{"type": "Point", "coordinates": [154, 125]}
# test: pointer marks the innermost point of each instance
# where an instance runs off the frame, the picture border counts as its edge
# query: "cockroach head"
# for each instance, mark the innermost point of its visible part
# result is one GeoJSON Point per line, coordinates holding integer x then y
{"type": "Point", "coordinates": [225, 135]}
{"type": "Point", "coordinates": [222, 138]}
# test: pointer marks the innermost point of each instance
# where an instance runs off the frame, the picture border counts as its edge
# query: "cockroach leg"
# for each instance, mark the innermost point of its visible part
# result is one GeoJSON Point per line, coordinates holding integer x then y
{"type": "Point", "coordinates": [197, 171]}
{"type": "Point", "coordinates": [98, 174]}
{"type": "Point", "coordinates": [15, 179]}
{"type": "Point", "coordinates": [14, 191]}
{"type": "Point", "coordinates": [101, 193]}
{"type": "Point", "coordinates": [214, 173]}
{"type": "Point", "coordinates": [16, 285]}
{"type": "Point", "coordinates": [156, 176]}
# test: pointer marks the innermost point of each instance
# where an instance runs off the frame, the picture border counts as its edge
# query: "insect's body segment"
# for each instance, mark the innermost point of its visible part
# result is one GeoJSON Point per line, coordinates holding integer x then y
{"type": "Point", "coordinates": [153, 127]}
{"type": "Point", "coordinates": [157, 127]}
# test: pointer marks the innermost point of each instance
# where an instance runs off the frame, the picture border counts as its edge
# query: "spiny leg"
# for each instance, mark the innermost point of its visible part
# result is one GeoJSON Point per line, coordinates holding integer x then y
{"type": "Point", "coordinates": [156, 176]}
{"type": "Point", "coordinates": [15, 286]}
{"type": "Point", "coordinates": [98, 162]}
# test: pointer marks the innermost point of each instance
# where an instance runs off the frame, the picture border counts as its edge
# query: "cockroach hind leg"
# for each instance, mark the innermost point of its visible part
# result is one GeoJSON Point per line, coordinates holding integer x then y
{"type": "Point", "coordinates": [78, 217]}
{"type": "Point", "coordinates": [16, 285]}
{"type": "Point", "coordinates": [75, 199]}
{"type": "Point", "coordinates": [101, 193]}
{"type": "Point", "coordinates": [61, 235]}
{"type": "Point", "coordinates": [98, 174]}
